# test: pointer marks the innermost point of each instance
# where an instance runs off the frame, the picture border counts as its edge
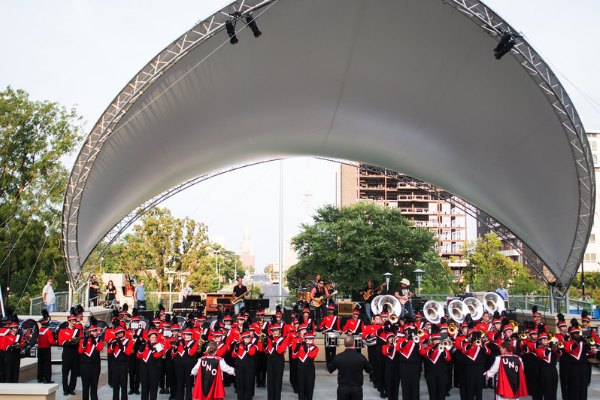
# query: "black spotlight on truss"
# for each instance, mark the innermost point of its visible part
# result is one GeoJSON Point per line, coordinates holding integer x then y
{"type": "Point", "coordinates": [507, 42]}
{"type": "Point", "coordinates": [252, 24]}
{"type": "Point", "coordinates": [230, 27]}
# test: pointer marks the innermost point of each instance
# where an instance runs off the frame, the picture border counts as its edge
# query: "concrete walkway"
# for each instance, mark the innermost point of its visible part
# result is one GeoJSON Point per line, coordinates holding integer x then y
{"type": "Point", "coordinates": [325, 387]}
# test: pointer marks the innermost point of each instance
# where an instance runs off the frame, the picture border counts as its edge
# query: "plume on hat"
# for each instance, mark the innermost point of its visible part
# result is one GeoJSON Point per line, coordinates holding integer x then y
{"type": "Point", "coordinates": [584, 314]}
{"type": "Point", "coordinates": [560, 317]}
{"type": "Point", "coordinates": [574, 323]}
{"type": "Point", "coordinates": [125, 307]}
{"type": "Point", "coordinates": [534, 309]}
{"type": "Point", "coordinates": [92, 321]}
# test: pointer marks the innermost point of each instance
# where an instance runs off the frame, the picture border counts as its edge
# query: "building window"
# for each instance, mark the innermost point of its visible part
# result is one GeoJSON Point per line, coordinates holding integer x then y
{"type": "Point", "coordinates": [592, 238]}
{"type": "Point", "coordinates": [589, 257]}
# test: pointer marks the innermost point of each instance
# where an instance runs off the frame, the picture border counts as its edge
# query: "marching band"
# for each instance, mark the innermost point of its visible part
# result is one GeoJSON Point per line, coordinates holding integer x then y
{"type": "Point", "coordinates": [474, 347]}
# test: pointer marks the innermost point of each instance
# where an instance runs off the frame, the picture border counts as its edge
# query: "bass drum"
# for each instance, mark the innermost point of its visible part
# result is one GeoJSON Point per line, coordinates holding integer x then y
{"type": "Point", "coordinates": [29, 331]}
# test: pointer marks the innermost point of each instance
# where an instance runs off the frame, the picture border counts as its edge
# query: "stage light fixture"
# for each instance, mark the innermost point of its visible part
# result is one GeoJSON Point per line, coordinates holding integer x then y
{"type": "Point", "coordinates": [252, 24]}
{"type": "Point", "coordinates": [507, 42]}
{"type": "Point", "coordinates": [230, 27]}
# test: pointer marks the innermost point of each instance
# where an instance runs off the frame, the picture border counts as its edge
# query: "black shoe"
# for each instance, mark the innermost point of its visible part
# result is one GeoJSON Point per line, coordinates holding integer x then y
{"type": "Point", "coordinates": [40, 381]}
{"type": "Point", "coordinates": [167, 391]}
{"type": "Point", "coordinates": [137, 392]}
{"type": "Point", "coordinates": [72, 392]}
{"type": "Point", "coordinates": [66, 394]}
{"type": "Point", "coordinates": [130, 392]}
{"type": "Point", "coordinates": [162, 391]}
{"type": "Point", "coordinates": [48, 382]}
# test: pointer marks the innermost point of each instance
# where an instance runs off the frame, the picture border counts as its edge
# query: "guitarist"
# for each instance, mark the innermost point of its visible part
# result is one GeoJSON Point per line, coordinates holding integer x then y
{"type": "Point", "coordinates": [368, 294]}
{"type": "Point", "coordinates": [404, 294]}
{"type": "Point", "coordinates": [239, 291]}
{"type": "Point", "coordinates": [318, 299]}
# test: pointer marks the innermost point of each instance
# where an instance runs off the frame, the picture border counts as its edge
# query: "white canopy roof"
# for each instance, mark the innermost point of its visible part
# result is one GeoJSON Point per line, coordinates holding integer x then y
{"type": "Point", "coordinates": [408, 85]}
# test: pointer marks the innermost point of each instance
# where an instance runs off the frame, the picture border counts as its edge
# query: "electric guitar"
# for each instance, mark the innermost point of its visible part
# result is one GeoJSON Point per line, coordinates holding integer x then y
{"type": "Point", "coordinates": [404, 299]}
{"type": "Point", "coordinates": [318, 301]}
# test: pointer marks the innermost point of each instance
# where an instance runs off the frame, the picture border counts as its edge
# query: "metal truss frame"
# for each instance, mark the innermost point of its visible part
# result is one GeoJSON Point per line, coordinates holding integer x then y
{"type": "Point", "coordinates": [113, 115]}
{"type": "Point", "coordinates": [474, 10]}
{"type": "Point", "coordinates": [565, 111]}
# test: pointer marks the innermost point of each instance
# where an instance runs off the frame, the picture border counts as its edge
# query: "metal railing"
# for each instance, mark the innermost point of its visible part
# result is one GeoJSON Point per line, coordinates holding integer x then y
{"type": "Point", "coordinates": [36, 305]}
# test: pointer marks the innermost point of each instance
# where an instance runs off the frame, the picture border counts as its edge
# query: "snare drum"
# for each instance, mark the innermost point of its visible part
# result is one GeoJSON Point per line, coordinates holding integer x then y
{"type": "Point", "coordinates": [358, 342]}
{"type": "Point", "coordinates": [331, 339]}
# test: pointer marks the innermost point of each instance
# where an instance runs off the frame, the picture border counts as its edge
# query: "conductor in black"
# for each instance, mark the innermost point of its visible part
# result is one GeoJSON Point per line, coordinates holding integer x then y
{"type": "Point", "coordinates": [350, 366]}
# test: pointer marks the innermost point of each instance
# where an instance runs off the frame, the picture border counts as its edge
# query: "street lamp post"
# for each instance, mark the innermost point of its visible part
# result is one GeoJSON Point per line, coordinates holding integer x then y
{"type": "Point", "coordinates": [419, 273]}
{"type": "Point", "coordinates": [387, 280]}
{"type": "Point", "coordinates": [216, 254]}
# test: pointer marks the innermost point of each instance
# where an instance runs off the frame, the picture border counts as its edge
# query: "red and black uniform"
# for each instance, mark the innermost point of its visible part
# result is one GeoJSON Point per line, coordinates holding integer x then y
{"type": "Point", "coordinates": [138, 336]}
{"type": "Point", "coordinates": [532, 366]}
{"type": "Point", "coordinates": [579, 351]}
{"type": "Point", "coordinates": [109, 336]}
{"type": "Point", "coordinates": [121, 349]}
{"type": "Point", "coordinates": [68, 340]}
{"type": "Point", "coordinates": [510, 378]}
{"type": "Point", "coordinates": [275, 365]}
{"type": "Point", "coordinates": [3, 333]}
{"type": "Point", "coordinates": [89, 351]}
{"type": "Point", "coordinates": [330, 323]}
{"type": "Point", "coordinates": [292, 337]}
{"type": "Point", "coordinates": [209, 379]}
{"type": "Point", "coordinates": [354, 327]}
{"type": "Point", "coordinates": [185, 359]}
{"type": "Point", "coordinates": [150, 357]}
{"type": "Point", "coordinates": [170, 356]}
{"type": "Point", "coordinates": [474, 368]}
{"type": "Point", "coordinates": [12, 344]}
{"type": "Point", "coordinates": [409, 366]}
{"type": "Point", "coordinates": [563, 362]}
{"type": "Point", "coordinates": [548, 375]}
{"type": "Point", "coordinates": [390, 370]}
{"type": "Point", "coordinates": [244, 369]}
{"type": "Point", "coordinates": [261, 327]}
{"type": "Point", "coordinates": [305, 355]}
{"type": "Point", "coordinates": [45, 342]}
{"type": "Point", "coordinates": [436, 359]}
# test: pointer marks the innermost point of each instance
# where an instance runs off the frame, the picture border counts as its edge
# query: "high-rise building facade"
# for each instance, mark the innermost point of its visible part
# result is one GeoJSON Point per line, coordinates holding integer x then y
{"type": "Point", "coordinates": [591, 260]}
{"type": "Point", "coordinates": [426, 207]}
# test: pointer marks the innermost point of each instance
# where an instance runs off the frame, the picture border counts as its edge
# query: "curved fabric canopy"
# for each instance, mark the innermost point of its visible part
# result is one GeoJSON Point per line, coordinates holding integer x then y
{"type": "Point", "coordinates": [408, 85]}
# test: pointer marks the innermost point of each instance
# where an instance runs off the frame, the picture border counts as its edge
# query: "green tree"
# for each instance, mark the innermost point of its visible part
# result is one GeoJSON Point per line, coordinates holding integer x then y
{"type": "Point", "coordinates": [437, 278]}
{"type": "Point", "coordinates": [353, 244]}
{"type": "Point", "coordinates": [35, 137]}
{"type": "Point", "coordinates": [488, 268]}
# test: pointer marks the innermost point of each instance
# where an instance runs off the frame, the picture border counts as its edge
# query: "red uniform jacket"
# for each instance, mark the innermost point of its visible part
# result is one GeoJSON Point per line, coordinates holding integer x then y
{"type": "Point", "coordinates": [303, 354]}
{"type": "Point", "coordinates": [241, 351]}
{"type": "Point", "coordinates": [46, 338]}
{"type": "Point", "coordinates": [511, 382]}
{"type": "Point", "coordinates": [88, 347]}
{"type": "Point", "coordinates": [155, 351]}
{"type": "Point", "coordinates": [330, 323]}
{"type": "Point", "coordinates": [354, 326]}
{"type": "Point", "coordinates": [278, 345]}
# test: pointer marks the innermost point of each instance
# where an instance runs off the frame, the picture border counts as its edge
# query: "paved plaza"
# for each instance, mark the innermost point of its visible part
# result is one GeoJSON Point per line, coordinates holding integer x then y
{"type": "Point", "coordinates": [325, 387]}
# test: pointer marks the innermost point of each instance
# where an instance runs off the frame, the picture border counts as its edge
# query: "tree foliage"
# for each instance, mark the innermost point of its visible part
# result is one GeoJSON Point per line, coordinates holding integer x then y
{"type": "Point", "coordinates": [488, 268]}
{"type": "Point", "coordinates": [161, 243]}
{"type": "Point", "coordinates": [437, 278]}
{"type": "Point", "coordinates": [353, 244]}
{"type": "Point", "coordinates": [35, 136]}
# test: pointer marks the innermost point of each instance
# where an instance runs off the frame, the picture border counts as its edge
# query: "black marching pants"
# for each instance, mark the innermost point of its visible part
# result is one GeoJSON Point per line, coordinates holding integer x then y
{"type": "Point", "coordinates": [70, 365]}
{"type": "Point", "coordinates": [437, 382]}
{"type": "Point", "coordinates": [306, 379]}
{"type": "Point", "coordinates": [349, 393]}
{"type": "Point", "coordinates": [119, 379]}
{"type": "Point", "coordinates": [44, 372]}
{"type": "Point", "coordinates": [90, 374]}
{"type": "Point", "coordinates": [410, 376]}
{"type": "Point", "coordinates": [149, 379]}
{"type": "Point", "coordinates": [244, 378]}
{"type": "Point", "coordinates": [185, 379]}
{"type": "Point", "coordinates": [392, 378]}
{"type": "Point", "coordinates": [133, 368]}
{"type": "Point", "coordinates": [275, 365]}
{"type": "Point", "coordinates": [13, 365]}
{"type": "Point", "coordinates": [473, 380]}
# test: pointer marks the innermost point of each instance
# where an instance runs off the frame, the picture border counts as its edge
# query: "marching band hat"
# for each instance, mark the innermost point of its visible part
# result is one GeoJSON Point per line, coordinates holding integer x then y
{"type": "Point", "coordinates": [275, 327]}
{"type": "Point", "coordinates": [585, 318]}
{"type": "Point", "coordinates": [92, 327]}
{"type": "Point", "coordinates": [260, 312]}
{"type": "Point", "coordinates": [331, 307]}
{"type": "Point", "coordinates": [240, 316]}
{"type": "Point", "coordinates": [508, 327]}
{"type": "Point", "coordinates": [14, 325]}
{"type": "Point", "coordinates": [384, 313]}
{"type": "Point", "coordinates": [202, 318]}
{"type": "Point", "coordinates": [295, 321]}
{"type": "Point", "coordinates": [72, 317]}
{"type": "Point", "coordinates": [543, 335]}
{"type": "Point", "coordinates": [309, 335]}
{"type": "Point", "coordinates": [436, 336]}
{"type": "Point", "coordinates": [278, 314]}
{"type": "Point", "coordinates": [227, 318]}
{"type": "Point", "coordinates": [303, 326]}
{"type": "Point", "coordinates": [175, 327]}
{"type": "Point", "coordinates": [166, 324]}
{"type": "Point", "coordinates": [218, 333]}
{"type": "Point", "coordinates": [156, 321]}
{"type": "Point", "coordinates": [188, 332]}
{"type": "Point", "coordinates": [247, 334]}
{"type": "Point", "coordinates": [389, 334]}
{"type": "Point", "coordinates": [418, 315]}
{"type": "Point", "coordinates": [405, 281]}
{"type": "Point", "coordinates": [472, 330]}
{"type": "Point", "coordinates": [561, 323]}
{"type": "Point", "coordinates": [464, 324]}
{"type": "Point", "coordinates": [135, 318]}
{"type": "Point", "coordinates": [356, 312]}
{"type": "Point", "coordinates": [497, 320]}
{"type": "Point", "coordinates": [306, 310]}
{"type": "Point", "coordinates": [119, 329]}
{"type": "Point", "coordinates": [574, 329]}
{"type": "Point", "coordinates": [443, 326]}
{"type": "Point", "coordinates": [533, 331]}
{"type": "Point", "coordinates": [152, 332]}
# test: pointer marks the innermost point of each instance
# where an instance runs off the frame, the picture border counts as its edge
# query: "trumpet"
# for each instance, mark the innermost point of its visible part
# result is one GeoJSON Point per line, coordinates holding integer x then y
{"type": "Point", "coordinates": [523, 336]}
{"type": "Point", "coordinates": [452, 329]}
{"type": "Point", "coordinates": [416, 338]}
{"type": "Point", "coordinates": [420, 332]}
{"type": "Point", "coordinates": [394, 319]}
{"type": "Point", "coordinates": [558, 345]}
{"type": "Point", "coordinates": [477, 342]}
{"type": "Point", "coordinates": [514, 325]}
{"type": "Point", "coordinates": [447, 344]}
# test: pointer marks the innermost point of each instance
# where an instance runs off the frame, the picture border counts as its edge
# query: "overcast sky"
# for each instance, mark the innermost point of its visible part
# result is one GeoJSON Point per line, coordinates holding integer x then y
{"type": "Point", "coordinates": [82, 53]}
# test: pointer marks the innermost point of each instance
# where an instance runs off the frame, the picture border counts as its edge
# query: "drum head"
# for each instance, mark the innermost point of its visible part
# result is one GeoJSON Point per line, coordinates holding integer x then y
{"type": "Point", "coordinates": [30, 330]}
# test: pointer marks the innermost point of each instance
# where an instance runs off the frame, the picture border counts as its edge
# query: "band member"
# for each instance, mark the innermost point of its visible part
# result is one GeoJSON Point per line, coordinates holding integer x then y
{"type": "Point", "coordinates": [261, 327]}
{"type": "Point", "coordinates": [68, 339]}
{"type": "Point", "coordinates": [350, 376]}
{"type": "Point", "coordinates": [475, 350]}
{"type": "Point", "coordinates": [137, 334]}
{"type": "Point", "coordinates": [170, 355]}
{"type": "Point", "coordinates": [510, 381]}
{"type": "Point", "coordinates": [562, 336]}
{"type": "Point", "coordinates": [330, 324]}
{"type": "Point", "coordinates": [318, 297]}
{"type": "Point", "coordinates": [89, 351]}
{"type": "Point", "coordinates": [307, 321]}
{"type": "Point", "coordinates": [579, 350]}
{"type": "Point", "coordinates": [531, 361]}
{"type": "Point", "coordinates": [243, 353]}
{"type": "Point", "coordinates": [150, 354]}
{"type": "Point", "coordinates": [305, 352]}
{"type": "Point", "coordinates": [460, 359]}
{"type": "Point", "coordinates": [109, 336]}
{"type": "Point", "coordinates": [45, 342]}
{"type": "Point", "coordinates": [12, 344]}
{"type": "Point", "coordinates": [121, 348]}
{"type": "Point", "coordinates": [184, 361]}
{"type": "Point", "coordinates": [404, 294]}
{"type": "Point", "coordinates": [209, 375]}
{"type": "Point", "coordinates": [239, 291]}
{"type": "Point", "coordinates": [291, 333]}
{"type": "Point", "coordinates": [275, 349]}
{"type": "Point", "coordinates": [390, 367]}
{"type": "Point", "coordinates": [368, 294]}
{"type": "Point", "coordinates": [548, 375]}
{"type": "Point", "coordinates": [437, 356]}
{"type": "Point", "coordinates": [408, 348]}
{"type": "Point", "coordinates": [370, 338]}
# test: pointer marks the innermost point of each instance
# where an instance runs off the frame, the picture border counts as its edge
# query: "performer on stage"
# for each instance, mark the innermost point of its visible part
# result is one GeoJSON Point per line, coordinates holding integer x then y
{"type": "Point", "coordinates": [404, 294]}
{"type": "Point", "coordinates": [209, 375]}
{"type": "Point", "coordinates": [510, 381]}
{"type": "Point", "coordinates": [260, 327]}
{"type": "Point", "coordinates": [239, 291]}
{"type": "Point", "coordinates": [45, 342]}
{"type": "Point", "coordinates": [305, 353]}
{"type": "Point", "coordinates": [350, 366]}
{"type": "Point", "coordinates": [475, 350]}
{"type": "Point", "coordinates": [150, 354]}
{"type": "Point", "coordinates": [275, 350]}
{"type": "Point", "coordinates": [330, 324]}
{"type": "Point", "coordinates": [562, 336]}
{"type": "Point", "coordinates": [318, 299]}
{"type": "Point", "coordinates": [89, 350]}
{"type": "Point", "coordinates": [307, 321]}
{"type": "Point", "coordinates": [368, 293]}
{"type": "Point", "coordinates": [579, 350]}
{"type": "Point", "coordinates": [68, 339]}
{"type": "Point", "coordinates": [370, 338]}
{"type": "Point", "coordinates": [354, 326]}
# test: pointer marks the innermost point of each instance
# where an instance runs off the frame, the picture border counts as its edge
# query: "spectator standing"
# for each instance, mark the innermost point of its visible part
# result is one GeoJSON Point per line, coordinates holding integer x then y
{"type": "Point", "coordinates": [111, 292]}
{"type": "Point", "coordinates": [94, 291]}
{"type": "Point", "coordinates": [185, 292]}
{"type": "Point", "coordinates": [48, 297]}
{"type": "Point", "coordinates": [139, 296]}
{"type": "Point", "coordinates": [502, 292]}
